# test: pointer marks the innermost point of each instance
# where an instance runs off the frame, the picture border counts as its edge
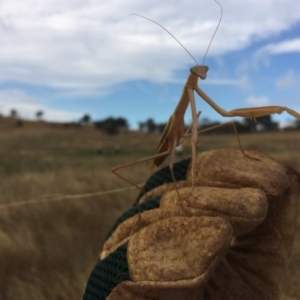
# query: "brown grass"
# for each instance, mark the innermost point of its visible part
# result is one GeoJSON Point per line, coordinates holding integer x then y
{"type": "Point", "coordinates": [49, 249]}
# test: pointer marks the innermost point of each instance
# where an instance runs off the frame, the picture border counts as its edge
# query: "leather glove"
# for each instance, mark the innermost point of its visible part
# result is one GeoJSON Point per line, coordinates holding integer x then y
{"type": "Point", "coordinates": [229, 236]}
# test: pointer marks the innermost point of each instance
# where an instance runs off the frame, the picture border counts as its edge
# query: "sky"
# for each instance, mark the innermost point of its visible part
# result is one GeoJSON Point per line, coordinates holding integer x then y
{"type": "Point", "coordinates": [69, 57]}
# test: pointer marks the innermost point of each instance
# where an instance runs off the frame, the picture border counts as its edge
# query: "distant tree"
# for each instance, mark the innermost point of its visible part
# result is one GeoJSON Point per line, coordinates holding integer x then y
{"type": "Point", "coordinates": [150, 125]}
{"type": "Point", "coordinates": [121, 123]}
{"type": "Point", "coordinates": [86, 119]}
{"type": "Point", "coordinates": [250, 124]}
{"type": "Point", "coordinates": [39, 114]}
{"type": "Point", "coordinates": [13, 113]}
{"type": "Point", "coordinates": [111, 125]}
{"type": "Point", "coordinates": [205, 121]}
{"type": "Point", "coordinates": [297, 124]}
{"type": "Point", "coordinates": [265, 122]}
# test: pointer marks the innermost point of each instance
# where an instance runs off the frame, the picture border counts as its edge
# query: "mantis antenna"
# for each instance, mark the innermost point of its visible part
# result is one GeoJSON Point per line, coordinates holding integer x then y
{"type": "Point", "coordinates": [169, 34]}
{"type": "Point", "coordinates": [214, 32]}
{"type": "Point", "coordinates": [179, 41]}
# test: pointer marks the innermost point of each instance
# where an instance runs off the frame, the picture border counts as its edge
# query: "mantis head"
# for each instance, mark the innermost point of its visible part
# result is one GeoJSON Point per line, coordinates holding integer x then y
{"type": "Point", "coordinates": [199, 71]}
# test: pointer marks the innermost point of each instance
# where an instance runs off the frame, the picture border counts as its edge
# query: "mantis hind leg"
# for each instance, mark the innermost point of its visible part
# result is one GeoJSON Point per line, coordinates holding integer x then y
{"type": "Point", "coordinates": [230, 123]}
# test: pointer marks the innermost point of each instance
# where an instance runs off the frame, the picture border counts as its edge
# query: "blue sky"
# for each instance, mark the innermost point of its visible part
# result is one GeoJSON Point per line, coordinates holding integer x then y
{"type": "Point", "coordinates": [72, 57]}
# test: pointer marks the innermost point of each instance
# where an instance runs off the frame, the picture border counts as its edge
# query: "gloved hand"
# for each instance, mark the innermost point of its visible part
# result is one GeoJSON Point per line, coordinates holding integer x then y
{"type": "Point", "coordinates": [229, 237]}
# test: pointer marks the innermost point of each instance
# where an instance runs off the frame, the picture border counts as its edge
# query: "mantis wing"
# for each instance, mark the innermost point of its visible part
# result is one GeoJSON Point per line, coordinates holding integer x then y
{"type": "Point", "coordinates": [164, 143]}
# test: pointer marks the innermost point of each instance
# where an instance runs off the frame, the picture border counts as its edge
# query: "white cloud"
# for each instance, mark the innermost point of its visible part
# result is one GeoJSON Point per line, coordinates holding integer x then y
{"type": "Point", "coordinates": [258, 101]}
{"type": "Point", "coordinates": [289, 46]}
{"type": "Point", "coordinates": [283, 47]}
{"type": "Point", "coordinates": [289, 80]}
{"type": "Point", "coordinates": [26, 107]}
{"type": "Point", "coordinates": [245, 83]}
{"type": "Point", "coordinates": [224, 82]}
{"type": "Point", "coordinates": [96, 44]}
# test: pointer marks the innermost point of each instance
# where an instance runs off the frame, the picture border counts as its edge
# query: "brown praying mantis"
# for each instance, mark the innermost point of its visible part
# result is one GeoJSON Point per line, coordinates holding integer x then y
{"type": "Point", "coordinates": [174, 130]}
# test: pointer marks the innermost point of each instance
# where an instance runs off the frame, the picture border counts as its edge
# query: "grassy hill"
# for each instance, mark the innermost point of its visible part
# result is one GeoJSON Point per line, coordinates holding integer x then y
{"type": "Point", "coordinates": [49, 245]}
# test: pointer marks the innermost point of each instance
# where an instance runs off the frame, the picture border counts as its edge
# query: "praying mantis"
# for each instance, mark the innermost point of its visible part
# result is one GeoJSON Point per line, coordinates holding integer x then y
{"type": "Point", "coordinates": [174, 130]}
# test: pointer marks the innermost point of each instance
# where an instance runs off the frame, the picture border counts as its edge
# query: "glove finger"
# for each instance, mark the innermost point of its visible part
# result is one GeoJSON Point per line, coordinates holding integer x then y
{"type": "Point", "coordinates": [177, 253]}
{"type": "Point", "coordinates": [244, 208]}
{"type": "Point", "coordinates": [231, 168]}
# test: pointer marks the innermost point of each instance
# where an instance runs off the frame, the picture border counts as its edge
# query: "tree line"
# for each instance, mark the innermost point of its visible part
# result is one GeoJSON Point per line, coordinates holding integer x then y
{"type": "Point", "coordinates": [113, 125]}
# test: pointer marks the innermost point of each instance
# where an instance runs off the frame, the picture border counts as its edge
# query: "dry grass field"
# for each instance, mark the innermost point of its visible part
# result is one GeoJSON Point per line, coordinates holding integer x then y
{"type": "Point", "coordinates": [49, 248]}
